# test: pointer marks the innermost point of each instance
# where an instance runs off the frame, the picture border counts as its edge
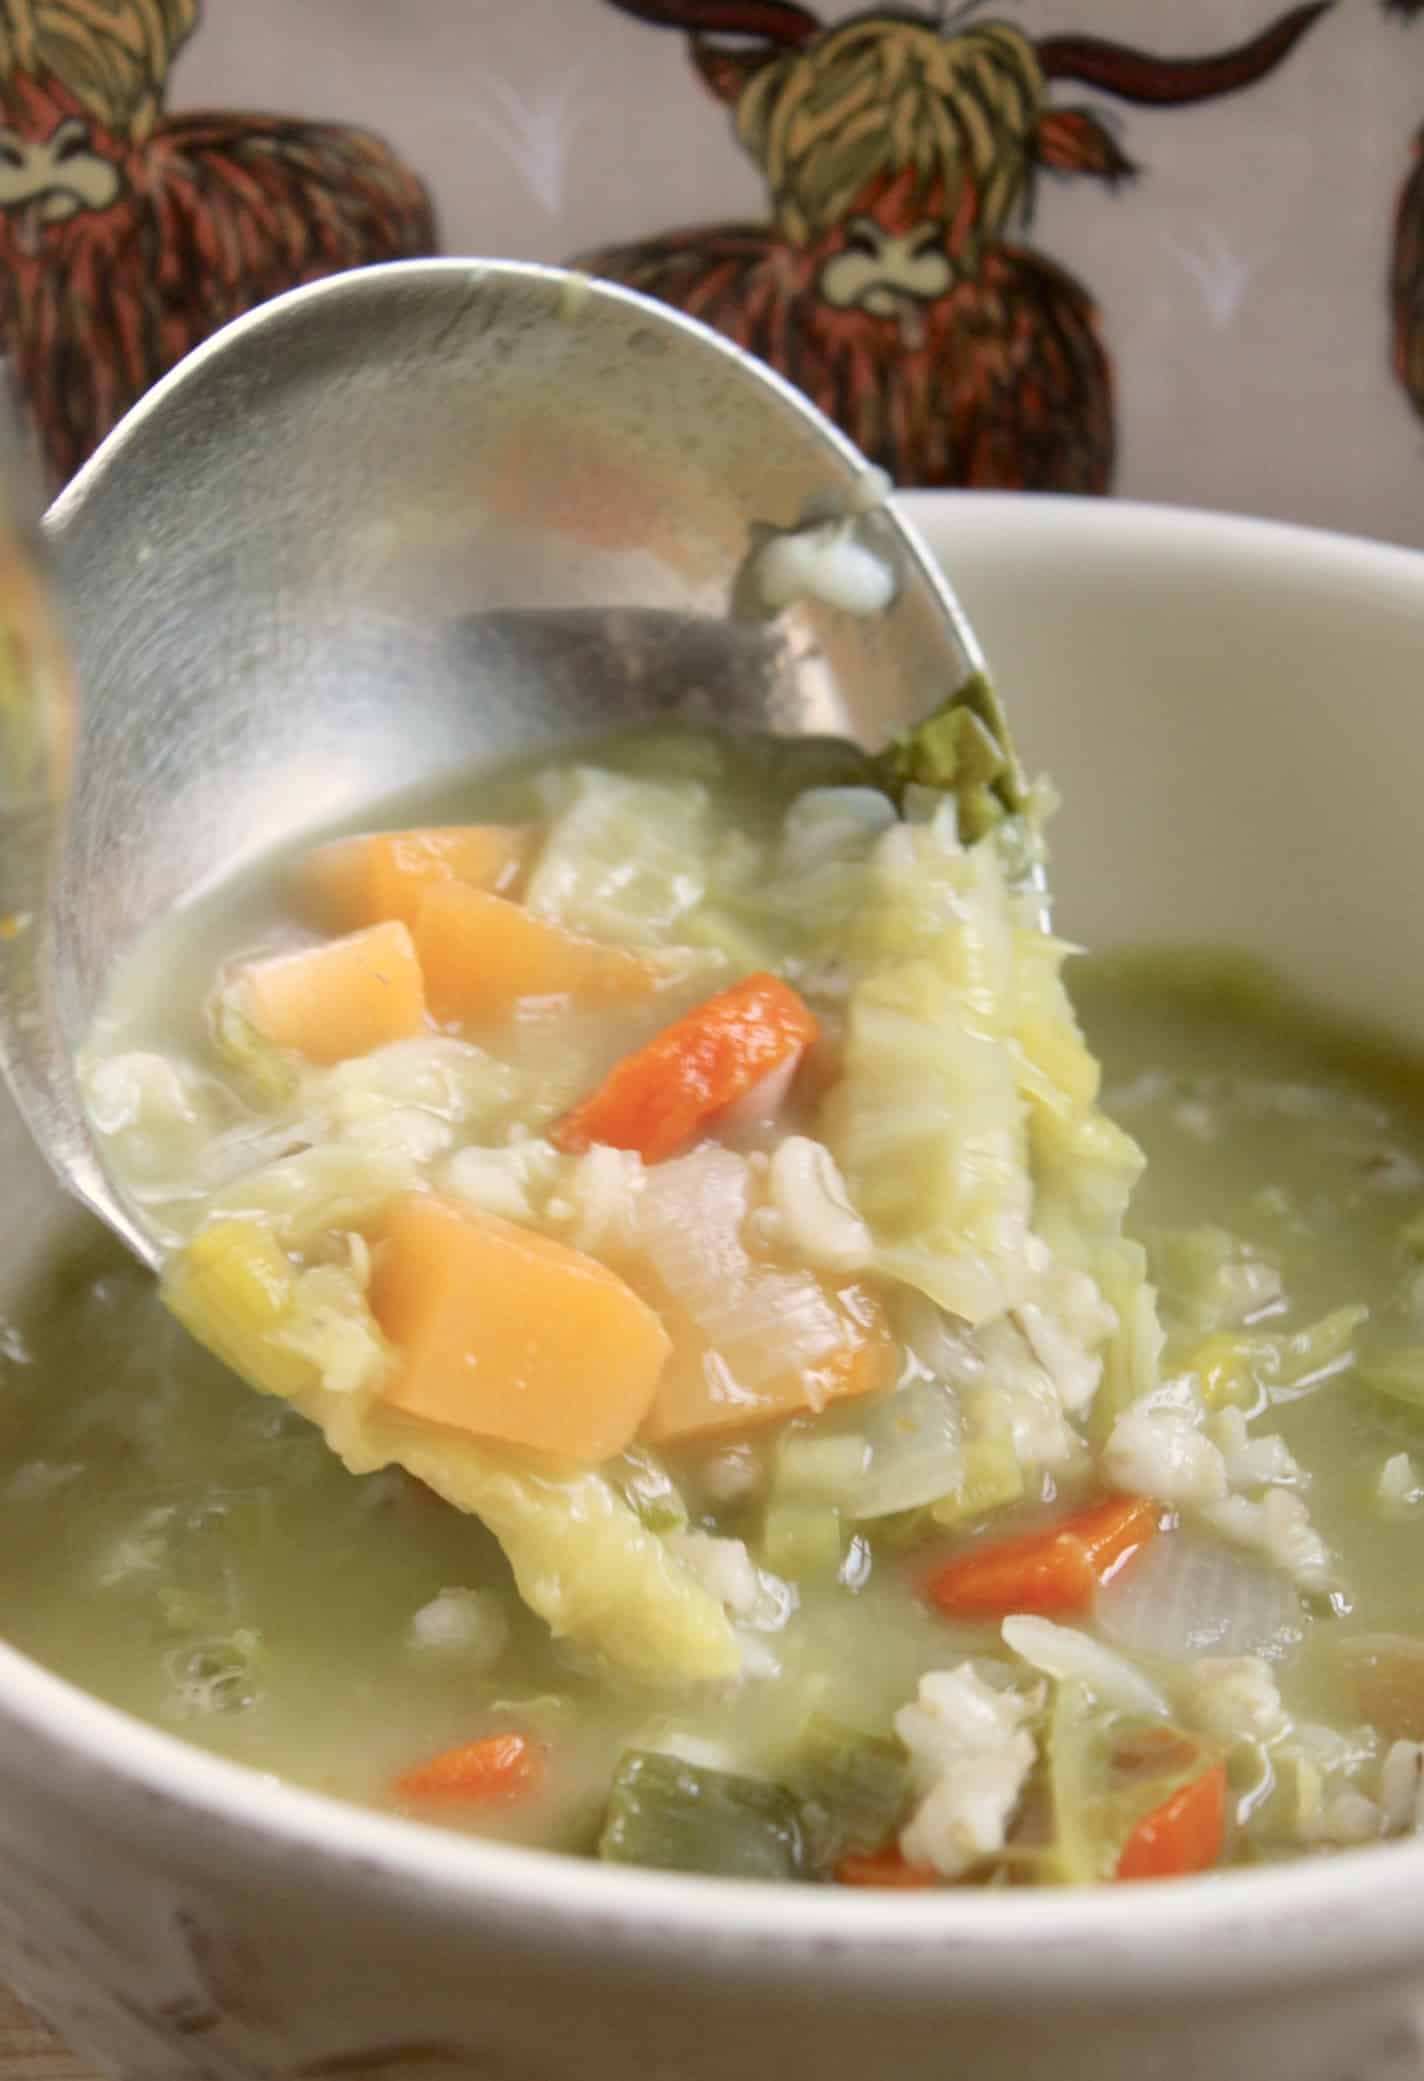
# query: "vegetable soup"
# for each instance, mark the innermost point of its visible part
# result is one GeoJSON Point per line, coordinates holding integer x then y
{"type": "Point", "coordinates": [718, 1408]}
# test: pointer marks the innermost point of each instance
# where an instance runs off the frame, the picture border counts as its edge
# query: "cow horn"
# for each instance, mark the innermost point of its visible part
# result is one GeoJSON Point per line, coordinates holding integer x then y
{"type": "Point", "coordinates": [1167, 82]}
{"type": "Point", "coordinates": [777, 22]}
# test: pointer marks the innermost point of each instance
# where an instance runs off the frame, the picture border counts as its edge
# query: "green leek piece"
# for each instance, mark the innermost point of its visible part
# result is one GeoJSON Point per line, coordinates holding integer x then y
{"type": "Point", "coordinates": [676, 1816]}
{"type": "Point", "coordinates": [826, 1468]}
{"type": "Point", "coordinates": [1107, 1770]}
{"type": "Point", "coordinates": [963, 749]}
{"type": "Point", "coordinates": [1077, 1783]}
{"type": "Point", "coordinates": [234, 1288]}
{"type": "Point", "coordinates": [992, 1478]}
{"type": "Point", "coordinates": [853, 1788]}
{"type": "Point", "coordinates": [1250, 1369]}
{"type": "Point", "coordinates": [801, 1539]}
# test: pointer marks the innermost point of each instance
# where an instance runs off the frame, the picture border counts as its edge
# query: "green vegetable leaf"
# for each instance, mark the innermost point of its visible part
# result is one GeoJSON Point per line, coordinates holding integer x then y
{"type": "Point", "coordinates": [962, 748]}
{"type": "Point", "coordinates": [677, 1816]}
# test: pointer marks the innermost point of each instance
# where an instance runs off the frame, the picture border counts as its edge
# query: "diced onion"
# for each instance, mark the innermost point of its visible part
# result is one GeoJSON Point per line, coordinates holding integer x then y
{"type": "Point", "coordinates": [763, 1322]}
{"type": "Point", "coordinates": [827, 825]}
{"type": "Point", "coordinates": [1186, 1596]}
{"type": "Point", "coordinates": [1069, 1656]}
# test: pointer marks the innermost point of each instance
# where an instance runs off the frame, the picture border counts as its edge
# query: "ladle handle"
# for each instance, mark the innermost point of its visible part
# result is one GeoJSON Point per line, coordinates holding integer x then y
{"type": "Point", "coordinates": [39, 716]}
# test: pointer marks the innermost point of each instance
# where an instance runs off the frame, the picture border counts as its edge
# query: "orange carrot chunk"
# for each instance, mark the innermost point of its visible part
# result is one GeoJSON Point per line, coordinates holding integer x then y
{"type": "Point", "coordinates": [382, 875]}
{"type": "Point", "coordinates": [659, 1098]}
{"type": "Point", "coordinates": [1058, 1569]}
{"type": "Point", "coordinates": [887, 1867]}
{"type": "Point", "coordinates": [338, 1000]}
{"type": "Point", "coordinates": [504, 1333]}
{"type": "Point", "coordinates": [1183, 1835]}
{"type": "Point", "coordinates": [482, 954]}
{"type": "Point", "coordinates": [495, 1771]}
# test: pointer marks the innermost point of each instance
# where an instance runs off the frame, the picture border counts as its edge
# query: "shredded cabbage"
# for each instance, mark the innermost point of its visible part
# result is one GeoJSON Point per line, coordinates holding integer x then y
{"type": "Point", "coordinates": [582, 1558]}
{"type": "Point", "coordinates": [625, 859]}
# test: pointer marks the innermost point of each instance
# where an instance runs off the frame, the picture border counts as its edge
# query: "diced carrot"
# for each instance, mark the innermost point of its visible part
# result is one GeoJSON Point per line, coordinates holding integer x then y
{"type": "Point", "coordinates": [1113, 1531]}
{"type": "Point", "coordinates": [659, 1098]}
{"type": "Point", "coordinates": [384, 874]}
{"type": "Point", "coordinates": [507, 1334]}
{"type": "Point", "coordinates": [1058, 1569]}
{"type": "Point", "coordinates": [887, 1867]}
{"type": "Point", "coordinates": [481, 954]}
{"type": "Point", "coordinates": [338, 1000]}
{"type": "Point", "coordinates": [700, 1395]}
{"type": "Point", "coordinates": [494, 1771]}
{"type": "Point", "coordinates": [1183, 1835]}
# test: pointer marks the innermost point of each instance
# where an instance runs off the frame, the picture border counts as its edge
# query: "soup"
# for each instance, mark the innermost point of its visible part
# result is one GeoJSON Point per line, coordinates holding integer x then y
{"type": "Point", "coordinates": [683, 1160]}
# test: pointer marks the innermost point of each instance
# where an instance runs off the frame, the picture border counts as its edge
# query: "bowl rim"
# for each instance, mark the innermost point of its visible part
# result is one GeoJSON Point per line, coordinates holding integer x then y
{"type": "Point", "coordinates": [1155, 528]}
{"type": "Point", "coordinates": [1233, 1933]}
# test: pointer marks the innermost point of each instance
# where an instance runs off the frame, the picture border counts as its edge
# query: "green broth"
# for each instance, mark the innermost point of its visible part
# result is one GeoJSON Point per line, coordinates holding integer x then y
{"type": "Point", "coordinates": [192, 1552]}
{"type": "Point", "coordinates": [113, 1415]}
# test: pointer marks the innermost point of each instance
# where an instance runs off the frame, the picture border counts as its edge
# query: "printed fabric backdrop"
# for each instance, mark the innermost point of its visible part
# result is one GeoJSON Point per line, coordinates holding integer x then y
{"type": "Point", "coordinates": [1091, 245]}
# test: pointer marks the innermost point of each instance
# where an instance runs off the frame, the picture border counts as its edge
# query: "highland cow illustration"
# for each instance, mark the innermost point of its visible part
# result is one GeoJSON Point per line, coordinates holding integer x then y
{"type": "Point", "coordinates": [127, 235]}
{"type": "Point", "coordinates": [900, 153]}
{"type": "Point", "coordinates": [1406, 275]}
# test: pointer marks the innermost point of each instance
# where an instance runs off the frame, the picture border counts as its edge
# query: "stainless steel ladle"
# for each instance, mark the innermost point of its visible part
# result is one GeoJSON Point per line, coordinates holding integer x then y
{"type": "Point", "coordinates": [389, 525]}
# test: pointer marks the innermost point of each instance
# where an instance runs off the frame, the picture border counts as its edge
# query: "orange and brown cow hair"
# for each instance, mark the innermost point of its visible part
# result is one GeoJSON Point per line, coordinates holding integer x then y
{"type": "Point", "coordinates": [127, 235]}
{"type": "Point", "coordinates": [1406, 274]}
{"type": "Point", "coordinates": [900, 154]}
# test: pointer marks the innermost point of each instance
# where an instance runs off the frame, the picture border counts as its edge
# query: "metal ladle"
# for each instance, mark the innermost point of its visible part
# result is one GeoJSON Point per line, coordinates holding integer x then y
{"type": "Point", "coordinates": [388, 526]}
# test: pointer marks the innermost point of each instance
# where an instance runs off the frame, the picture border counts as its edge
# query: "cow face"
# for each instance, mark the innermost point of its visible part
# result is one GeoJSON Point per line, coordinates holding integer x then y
{"type": "Point", "coordinates": [56, 161]}
{"type": "Point", "coordinates": [890, 254]}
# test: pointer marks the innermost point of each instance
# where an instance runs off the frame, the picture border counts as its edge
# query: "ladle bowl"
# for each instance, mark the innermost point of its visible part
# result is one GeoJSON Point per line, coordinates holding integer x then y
{"type": "Point", "coordinates": [396, 523]}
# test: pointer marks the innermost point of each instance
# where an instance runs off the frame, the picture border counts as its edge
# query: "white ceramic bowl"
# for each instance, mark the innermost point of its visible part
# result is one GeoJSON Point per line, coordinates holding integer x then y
{"type": "Point", "coordinates": [1234, 713]}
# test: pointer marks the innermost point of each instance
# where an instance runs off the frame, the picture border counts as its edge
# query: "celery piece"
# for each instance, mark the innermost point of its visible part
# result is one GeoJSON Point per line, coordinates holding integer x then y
{"type": "Point", "coordinates": [900, 1531]}
{"type": "Point", "coordinates": [992, 1478]}
{"type": "Point", "coordinates": [801, 1539]}
{"type": "Point", "coordinates": [853, 1788]}
{"type": "Point", "coordinates": [676, 1816]}
{"type": "Point", "coordinates": [828, 1468]}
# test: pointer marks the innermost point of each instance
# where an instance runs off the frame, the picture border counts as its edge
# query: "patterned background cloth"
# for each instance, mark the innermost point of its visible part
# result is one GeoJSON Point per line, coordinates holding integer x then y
{"type": "Point", "coordinates": [1177, 251]}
